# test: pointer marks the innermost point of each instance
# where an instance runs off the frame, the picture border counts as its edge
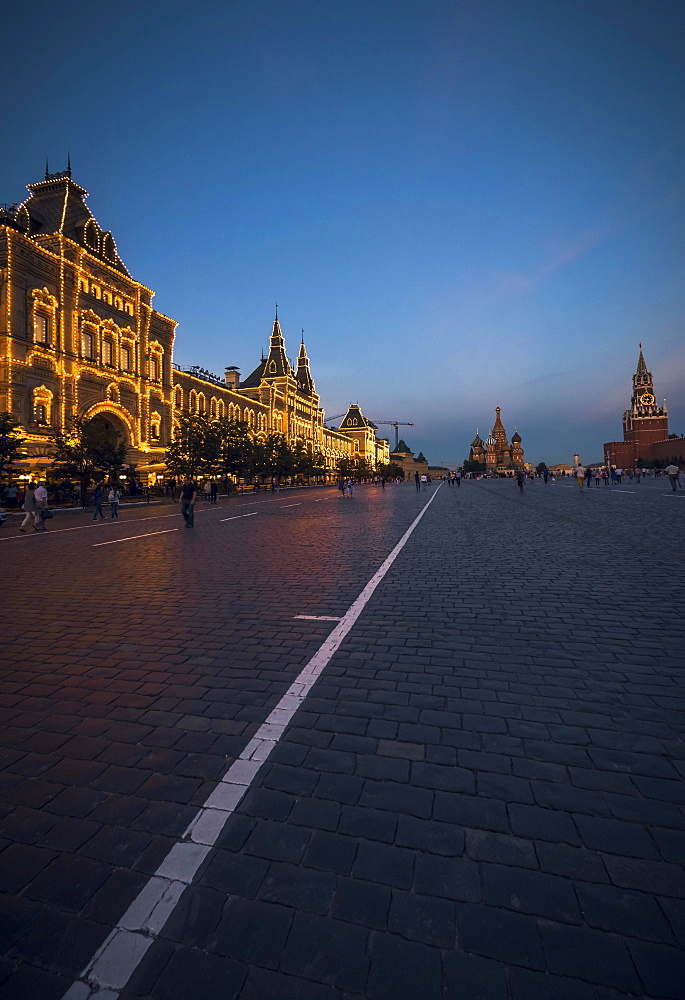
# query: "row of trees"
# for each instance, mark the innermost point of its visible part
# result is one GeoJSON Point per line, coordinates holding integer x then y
{"type": "Point", "coordinates": [222, 449]}
{"type": "Point", "coordinates": [226, 449]}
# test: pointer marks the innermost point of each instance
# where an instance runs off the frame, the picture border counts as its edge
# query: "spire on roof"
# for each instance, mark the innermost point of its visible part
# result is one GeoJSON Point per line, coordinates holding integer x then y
{"type": "Point", "coordinates": [303, 375]}
{"type": "Point", "coordinates": [641, 364]}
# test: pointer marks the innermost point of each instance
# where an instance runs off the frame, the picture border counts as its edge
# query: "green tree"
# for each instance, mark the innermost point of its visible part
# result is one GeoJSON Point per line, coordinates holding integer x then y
{"type": "Point", "coordinates": [196, 448]}
{"type": "Point", "coordinates": [86, 451]}
{"type": "Point", "coordinates": [470, 465]}
{"type": "Point", "coordinates": [235, 448]}
{"type": "Point", "coordinates": [540, 468]}
{"type": "Point", "coordinates": [10, 442]}
{"type": "Point", "coordinates": [391, 470]}
{"type": "Point", "coordinates": [272, 458]}
{"type": "Point", "coordinates": [345, 467]}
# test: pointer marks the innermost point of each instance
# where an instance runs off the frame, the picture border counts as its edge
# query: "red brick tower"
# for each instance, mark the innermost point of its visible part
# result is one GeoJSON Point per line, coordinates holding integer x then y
{"type": "Point", "coordinates": [645, 422]}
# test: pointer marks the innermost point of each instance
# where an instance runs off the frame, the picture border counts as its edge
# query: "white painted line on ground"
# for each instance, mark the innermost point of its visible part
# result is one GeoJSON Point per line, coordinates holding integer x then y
{"type": "Point", "coordinates": [115, 961]}
{"type": "Point", "coordinates": [290, 505]}
{"type": "Point", "coordinates": [132, 538]}
{"type": "Point", "coordinates": [318, 618]}
{"type": "Point", "coordinates": [236, 516]}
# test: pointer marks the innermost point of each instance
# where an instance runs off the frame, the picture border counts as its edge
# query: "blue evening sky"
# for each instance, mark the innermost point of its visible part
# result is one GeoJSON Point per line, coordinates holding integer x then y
{"type": "Point", "coordinates": [464, 203]}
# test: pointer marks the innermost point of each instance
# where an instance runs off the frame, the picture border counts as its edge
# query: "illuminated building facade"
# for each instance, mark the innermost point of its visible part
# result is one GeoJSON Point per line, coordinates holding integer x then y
{"type": "Point", "coordinates": [79, 338]}
{"type": "Point", "coordinates": [645, 427]}
{"type": "Point", "coordinates": [498, 455]}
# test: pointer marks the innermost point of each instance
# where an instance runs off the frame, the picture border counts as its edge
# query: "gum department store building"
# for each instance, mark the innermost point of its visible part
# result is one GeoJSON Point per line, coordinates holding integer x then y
{"type": "Point", "coordinates": [79, 338]}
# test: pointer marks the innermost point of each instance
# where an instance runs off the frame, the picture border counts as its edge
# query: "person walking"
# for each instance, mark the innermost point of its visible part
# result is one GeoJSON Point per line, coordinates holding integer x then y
{"type": "Point", "coordinates": [97, 500]}
{"type": "Point", "coordinates": [28, 507]}
{"type": "Point", "coordinates": [619, 473]}
{"type": "Point", "coordinates": [417, 480]}
{"type": "Point", "coordinates": [188, 498]}
{"type": "Point", "coordinates": [114, 497]}
{"type": "Point", "coordinates": [213, 492]}
{"type": "Point", "coordinates": [598, 476]}
{"type": "Point", "coordinates": [457, 477]}
{"type": "Point", "coordinates": [207, 490]}
{"type": "Point", "coordinates": [672, 471]}
{"type": "Point", "coordinates": [424, 481]}
{"type": "Point", "coordinates": [41, 497]}
{"type": "Point", "coordinates": [520, 479]}
{"type": "Point", "coordinates": [580, 476]}
{"type": "Point", "coordinates": [588, 476]}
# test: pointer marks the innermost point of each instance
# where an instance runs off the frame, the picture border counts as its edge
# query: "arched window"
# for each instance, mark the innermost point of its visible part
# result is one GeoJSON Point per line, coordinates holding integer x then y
{"type": "Point", "coordinates": [88, 343]}
{"type": "Point", "coordinates": [126, 358]}
{"type": "Point", "coordinates": [221, 409]}
{"type": "Point", "coordinates": [108, 352]}
{"type": "Point", "coordinates": [42, 405]}
{"type": "Point", "coordinates": [40, 328]}
{"type": "Point", "coordinates": [155, 426]}
{"type": "Point", "coordinates": [193, 401]}
{"type": "Point", "coordinates": [212, 408]}
{"type": "Point", "coordinates": [178, 397]}
{"type": "Point", "coordinates": [201, 403]}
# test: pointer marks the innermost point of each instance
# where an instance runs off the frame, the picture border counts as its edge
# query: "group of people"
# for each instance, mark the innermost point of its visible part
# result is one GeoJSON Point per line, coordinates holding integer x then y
{"type": "Point", "coordinates": [614, 476]}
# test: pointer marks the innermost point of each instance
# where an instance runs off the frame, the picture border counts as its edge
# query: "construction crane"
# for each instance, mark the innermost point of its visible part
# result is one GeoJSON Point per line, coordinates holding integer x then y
{"type": "Point", "coordinates": [396, 424]}
{"type": "Point", "coordinates": [392, 423]}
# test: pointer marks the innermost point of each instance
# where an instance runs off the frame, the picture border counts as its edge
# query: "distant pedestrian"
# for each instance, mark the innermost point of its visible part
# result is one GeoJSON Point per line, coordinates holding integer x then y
{"type": "Point", "coordinates": [39, 513]}
{"type": "Point", "coordinates": [520, 479]}
{"type": "Point", "coordinates": [188, 498]}
{"type": "Point", "coordinates": [417, 480]}
{"type": "Point", "coordinates": [424, 481]}
{"type": "Point", "coordinates": [341, 486]}
{"type": "Point", "coordinates": [207, 490]}
{"type": "Point", "coordinates": [619, 473]}
{"type": "Point", "coordinates": [349, 487]}
{"type": "Point", "coordinates": [614, 477]}
{"type": "Point", "coordinates": [382, 482]}
{"type": "Point", "coordinates": [29, 507]}
{"type": "Point", "coordinates": [457, 477]}
{"type": "Point", "coordinates": [588, 476]}
{"type": "Point", "coordinates": [97, 500]}
{"type": "Point", "coordinates": [114, 496]}
{"type": "Point", "coordinates": [672, 471]}
{"type": "Point", "coordinates": [580, 476]}
{"type": "Point", "coordinates": [598, 476]}
{"type": "Point", "coordinates": [12, 493]}
{"type": "Point", "coordinates": [545, 474]}
{"type": "Point", "coordinates": [214, 490]}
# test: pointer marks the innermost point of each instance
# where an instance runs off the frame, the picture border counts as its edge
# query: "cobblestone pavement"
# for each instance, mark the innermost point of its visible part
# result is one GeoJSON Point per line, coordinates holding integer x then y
{"type": "Point", "coordinates": [481, 797]}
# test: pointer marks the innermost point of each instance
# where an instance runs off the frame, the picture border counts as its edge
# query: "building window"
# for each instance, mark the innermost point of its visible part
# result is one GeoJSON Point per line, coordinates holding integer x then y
{"type": "Point", "coordinates": [107, 353]}
{"type": "Point", "coordinates": [154, 368]}
{"type": "Point", "coordinates": [178, 398]}
{"type": "Point", "coordinates": [40, 328]}
{"type": "Point", "coordinates": [107, 297]}
{"type": "Point", "coordinates": [118, 304]}
{"type": "Point", "coordinates": [155, 426]}
{"type": "Point", "coordinates": [40, 413]}
{"type": "Point", "coordinates": [126, 358]}
{"type": "Point", "coordinates": [87, 345]}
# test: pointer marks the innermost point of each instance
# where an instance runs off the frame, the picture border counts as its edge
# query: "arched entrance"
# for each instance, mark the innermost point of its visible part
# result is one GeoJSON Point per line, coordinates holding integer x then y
{"type": "Point", "coordinates": [108, 429]}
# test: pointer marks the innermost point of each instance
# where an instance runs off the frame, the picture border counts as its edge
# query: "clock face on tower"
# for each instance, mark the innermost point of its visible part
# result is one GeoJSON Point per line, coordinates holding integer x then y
{"type": "Point", "coordinates": [647, 399]}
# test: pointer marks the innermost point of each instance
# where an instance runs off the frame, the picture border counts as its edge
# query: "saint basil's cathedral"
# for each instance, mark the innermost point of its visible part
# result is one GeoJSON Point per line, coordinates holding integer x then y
{"type": "Point", "coordinates": [496, 453]}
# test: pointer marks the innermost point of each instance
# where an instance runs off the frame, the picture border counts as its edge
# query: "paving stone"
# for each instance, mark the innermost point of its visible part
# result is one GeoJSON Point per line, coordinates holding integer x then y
{"type": "Point", "coordinates": [195, 975]}
{"type": "Point", "coordinates": [362, 902]}
{"type": "Point", "coordinates": [450, 878]}
{"type": "Point", "coordinates": [423, 918]}
{"type": "Point", "coordinates": [622, 912]}
{"type": "Point", "coordinates": [371, 824]}
{"type": "Point", "coordinates": [476, 978]}
{"type": "Point", "coordinates": [507, 937]}
{"type": "Point", "coordinates": [383, 863]}
{"type": "Point", "coordinates": [331, 852]}
{"type": "Point", "coordinates": [402, 970]}
{"type": "Point", "coordinates": [327, 951]}
{"type": "Point", "coordinates": [589, 955]}
{"type": "Point", "coordinates": [530, 892]}
{"type": "Point", "coordinates": [303, 888]}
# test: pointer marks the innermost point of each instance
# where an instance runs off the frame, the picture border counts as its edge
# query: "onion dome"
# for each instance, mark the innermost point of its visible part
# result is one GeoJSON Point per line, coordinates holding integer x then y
{"type": "Point", "coordinates": [477, 443]}
{"type": "Point", "coordinates": [490, 443]}
{"type": "Point", "coordinates": [516, 438]}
